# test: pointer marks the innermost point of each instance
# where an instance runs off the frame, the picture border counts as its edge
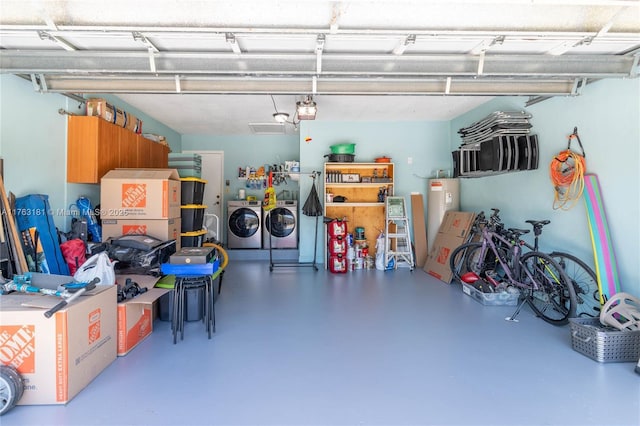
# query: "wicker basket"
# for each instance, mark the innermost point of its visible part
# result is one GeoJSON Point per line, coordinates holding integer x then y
{"type": "Point", "coordinates": [602, 343]}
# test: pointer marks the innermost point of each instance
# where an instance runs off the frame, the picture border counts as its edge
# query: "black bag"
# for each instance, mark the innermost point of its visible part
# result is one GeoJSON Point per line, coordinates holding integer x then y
{"type": "Point", "coordinates": [140, 254]}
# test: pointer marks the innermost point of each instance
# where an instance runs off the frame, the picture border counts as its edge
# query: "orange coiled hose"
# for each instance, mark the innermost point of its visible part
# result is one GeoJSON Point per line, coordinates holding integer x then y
{"type": "Point", "coordinates": [567, 174]}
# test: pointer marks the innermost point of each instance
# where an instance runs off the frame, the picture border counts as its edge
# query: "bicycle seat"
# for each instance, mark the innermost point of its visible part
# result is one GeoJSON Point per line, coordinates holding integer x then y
{"type": "Point", "coordinates": [517, 232]}
{"type": "Point", "coordinates": [540, 223]}
{"type": "Point", "coordinates": [537, 225]}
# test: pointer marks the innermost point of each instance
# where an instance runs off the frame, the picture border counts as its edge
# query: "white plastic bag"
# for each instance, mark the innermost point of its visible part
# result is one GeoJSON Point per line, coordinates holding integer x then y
{"type": "Point", "coordinates": [99, 265]}
{"type": "Point", "coordinates": [380, 251]}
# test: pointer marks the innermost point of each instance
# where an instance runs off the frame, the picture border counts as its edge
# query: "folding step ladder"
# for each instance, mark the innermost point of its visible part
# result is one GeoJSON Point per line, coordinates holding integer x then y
{"type": "Point", "coordinates": [397, 242]}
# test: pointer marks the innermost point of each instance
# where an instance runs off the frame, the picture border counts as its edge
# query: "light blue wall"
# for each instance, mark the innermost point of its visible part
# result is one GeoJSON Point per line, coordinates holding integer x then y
{"type": "Point", "coordinates": [607, 115]}
{"type": "Point", "coordinates": [427, 143]}
{"type": "Point", "coordinates": [243, 151]}
{"type": "Point", "coordinates": [33, 144]}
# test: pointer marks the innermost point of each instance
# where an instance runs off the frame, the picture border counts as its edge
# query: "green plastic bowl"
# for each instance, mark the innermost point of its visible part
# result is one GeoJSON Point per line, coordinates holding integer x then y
{"type": "Point", "coordinates": [343, 148]}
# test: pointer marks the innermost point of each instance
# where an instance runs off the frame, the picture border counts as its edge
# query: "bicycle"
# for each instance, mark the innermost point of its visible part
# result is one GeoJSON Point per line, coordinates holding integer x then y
{"type": "Point", "coordinates": [543, 283]}
{"type": "Point", "coordinates": [493, 223]}
{"type": "Point", "coordinates": [582, 277]}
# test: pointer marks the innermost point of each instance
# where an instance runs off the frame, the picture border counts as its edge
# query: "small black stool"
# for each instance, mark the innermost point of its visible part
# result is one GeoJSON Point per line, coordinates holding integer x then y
{"type": "Point", "coordinates": [182, 285]}
{"type": "Point", "coordinates": [189, 277]}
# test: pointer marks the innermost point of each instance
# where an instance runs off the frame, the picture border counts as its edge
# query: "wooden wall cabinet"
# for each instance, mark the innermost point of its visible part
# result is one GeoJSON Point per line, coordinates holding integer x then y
{"type": "Point", "coordinates": [95, 146]}
{"type": "Point", "coordinates": [159, 156]}
{"type": "Point", "coordinates": [360, 184]}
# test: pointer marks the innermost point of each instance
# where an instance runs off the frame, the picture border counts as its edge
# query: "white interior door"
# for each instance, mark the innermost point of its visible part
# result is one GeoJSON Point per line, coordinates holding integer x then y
{"type": "Point", "coordinates": [213, 173]}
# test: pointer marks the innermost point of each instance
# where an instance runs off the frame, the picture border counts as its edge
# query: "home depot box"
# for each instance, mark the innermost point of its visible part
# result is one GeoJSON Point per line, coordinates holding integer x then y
{"type": "Point", "coordinates": [452, 233]}
{"type": "Point", "coordinates": [101, 108]}
{"type": "Point", "coordinates": [135, 316]}
{"type": "Point", "coordinates": [140, 194]}
{"type": "Point", "coordinates": [162, 229]}
{"type": "Point", "coordinates": [437, 263]}
{"type": "Point", "coordinates": [457, 223]}
{"type": "Point", "coordinates": [58, 356]}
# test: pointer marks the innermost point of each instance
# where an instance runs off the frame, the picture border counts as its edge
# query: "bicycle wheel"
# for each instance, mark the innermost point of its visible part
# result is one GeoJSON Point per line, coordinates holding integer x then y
{"type": "Point", "coordinates": [585, 283]}
{"type": "Point", "coordinates": [549, 294]}
{"type": "Point", "coordinates": [458, 259]}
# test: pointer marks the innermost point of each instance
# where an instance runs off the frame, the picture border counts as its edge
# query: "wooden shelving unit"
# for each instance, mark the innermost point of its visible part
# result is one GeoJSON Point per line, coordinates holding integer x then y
{"type": "Point", "coordinates": [362, 207]}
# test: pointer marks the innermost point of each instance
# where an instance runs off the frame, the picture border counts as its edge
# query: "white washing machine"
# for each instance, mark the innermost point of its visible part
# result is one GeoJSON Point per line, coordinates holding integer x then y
{"type": "Point", "coordinates": [280, 225]}
{"type": "Point", "coordinates": [244, 224]}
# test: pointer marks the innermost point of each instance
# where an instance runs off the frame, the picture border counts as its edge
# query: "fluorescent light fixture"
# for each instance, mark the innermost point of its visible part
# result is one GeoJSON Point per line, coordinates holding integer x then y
{"type": "Point", "coordinates": [306, 109]}
{"type": "Point", "coordinates": [281, 117]}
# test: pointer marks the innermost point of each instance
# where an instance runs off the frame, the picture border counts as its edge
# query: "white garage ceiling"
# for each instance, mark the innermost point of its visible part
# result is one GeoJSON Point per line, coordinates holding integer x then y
{"type": "Point", "coordinates": [212, 67]}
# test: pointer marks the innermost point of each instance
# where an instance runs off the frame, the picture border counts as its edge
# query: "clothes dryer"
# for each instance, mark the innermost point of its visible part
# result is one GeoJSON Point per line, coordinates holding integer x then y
{"type": "Point", "coordinates": [280, 225]}
{"type": "Point", "coordinates": [244, 224]}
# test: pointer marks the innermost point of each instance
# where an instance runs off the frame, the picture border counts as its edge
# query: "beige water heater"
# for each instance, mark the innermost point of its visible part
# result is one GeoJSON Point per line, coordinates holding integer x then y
{"type": "Point", "coordinates": [442, 195]}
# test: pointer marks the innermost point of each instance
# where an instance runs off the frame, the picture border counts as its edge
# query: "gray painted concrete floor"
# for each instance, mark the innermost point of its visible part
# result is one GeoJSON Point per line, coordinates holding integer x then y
{"type": "Point", "coordinates": [299, 347]}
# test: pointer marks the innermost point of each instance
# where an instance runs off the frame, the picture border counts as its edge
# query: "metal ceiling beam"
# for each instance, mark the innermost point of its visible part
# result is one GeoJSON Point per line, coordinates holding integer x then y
{"type": "Point", "coordinates": [361, 65]}
{"type": "Point", "coordinates": [117, 30]}
{"type": "Point", "coordinates": [325, 85]}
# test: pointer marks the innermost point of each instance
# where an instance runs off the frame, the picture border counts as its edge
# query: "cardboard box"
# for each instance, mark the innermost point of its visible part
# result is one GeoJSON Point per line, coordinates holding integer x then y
{"type": "Point", "coordinates": [453, 232]}
{"type": "Point", "coordinates": [162, 229]}
{"type": "Point", "coordinates": [140, 194]}
{"type": "Point", "coordinates": [101, 108]}
{"type": "Point", "coordinates": [59, 356]}
{"type": "Point", "coordinates": [457, 223]}
{"type": "Point", "coordinates": [135, 316]}
{"type": "Point", "coordinates": [437, 263]}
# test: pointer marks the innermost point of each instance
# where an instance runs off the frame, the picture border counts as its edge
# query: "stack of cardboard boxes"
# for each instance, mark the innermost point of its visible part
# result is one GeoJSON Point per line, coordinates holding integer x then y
{"type": "Point", "coordinates": [141, 202]}
{"type": "Point", "coordinates": [58, 356]}
{"type": "Point", "coordinates": [101, 108]}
